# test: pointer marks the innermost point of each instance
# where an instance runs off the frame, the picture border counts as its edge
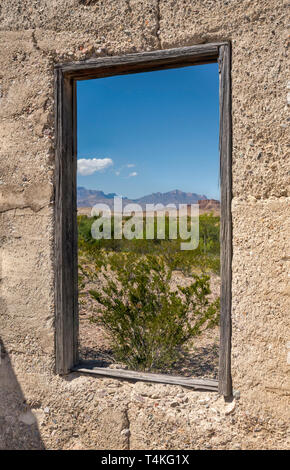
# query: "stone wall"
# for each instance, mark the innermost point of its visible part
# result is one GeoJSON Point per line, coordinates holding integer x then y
{"type": "Point", "coordinates": [39, 409]}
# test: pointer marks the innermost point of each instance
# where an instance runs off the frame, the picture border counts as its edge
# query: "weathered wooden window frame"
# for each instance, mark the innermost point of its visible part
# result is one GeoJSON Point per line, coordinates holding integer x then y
{"type": "Point", "coordinates": [66, 268]}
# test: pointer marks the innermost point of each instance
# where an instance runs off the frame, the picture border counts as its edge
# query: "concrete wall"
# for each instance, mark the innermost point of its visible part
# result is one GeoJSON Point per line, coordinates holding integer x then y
{"type": "Point", "coordinates": [39, 409]}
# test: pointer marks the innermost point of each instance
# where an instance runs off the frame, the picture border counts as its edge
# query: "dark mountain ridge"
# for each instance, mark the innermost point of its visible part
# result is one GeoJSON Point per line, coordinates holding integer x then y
{"type": "Point", "coordinates": [90, 197]}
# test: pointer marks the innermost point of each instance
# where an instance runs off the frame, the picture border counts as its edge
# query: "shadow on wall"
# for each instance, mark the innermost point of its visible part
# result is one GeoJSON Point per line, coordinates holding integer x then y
{"type": "Point", "coordinates": [18, 425]}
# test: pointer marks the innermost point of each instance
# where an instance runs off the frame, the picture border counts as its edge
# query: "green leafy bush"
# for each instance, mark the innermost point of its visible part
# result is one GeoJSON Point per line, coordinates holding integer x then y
{"type": "Point", "coordinates": [205, 258]}
{"type": "Point", "coordinates": [150, 324]}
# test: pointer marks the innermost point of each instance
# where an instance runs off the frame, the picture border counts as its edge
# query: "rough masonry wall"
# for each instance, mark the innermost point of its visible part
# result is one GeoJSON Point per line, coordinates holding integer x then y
{"type": "Point", "coordinates": [39, 409]}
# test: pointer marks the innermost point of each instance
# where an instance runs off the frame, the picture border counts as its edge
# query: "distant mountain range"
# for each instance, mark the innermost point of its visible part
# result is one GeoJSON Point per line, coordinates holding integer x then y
{"type": "Point", "coordinates": [90, 197]}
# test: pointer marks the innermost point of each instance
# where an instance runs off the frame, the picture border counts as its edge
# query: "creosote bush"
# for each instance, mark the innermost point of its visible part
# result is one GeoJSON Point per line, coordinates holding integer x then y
{"type": "Point", "coordinates": [148, 323]}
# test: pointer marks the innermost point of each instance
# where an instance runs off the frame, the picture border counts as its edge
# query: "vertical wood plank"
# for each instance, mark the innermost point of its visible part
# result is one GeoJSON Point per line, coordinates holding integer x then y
{"type": "Point", "coordinates": [65, 227]}
{"type": "Point", "coordinates": [225, 144]}
{"type": "Point", "coordinates": [75, 228]}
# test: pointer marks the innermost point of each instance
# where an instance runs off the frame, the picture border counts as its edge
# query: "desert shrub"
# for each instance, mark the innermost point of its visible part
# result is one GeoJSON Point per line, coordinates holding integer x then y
{"type": "Point", "coordinates": [206, 258]}
{"type": "Point", "coordinates": [209, 233]}
{"type": "Point", "coordinates": [148, 323]}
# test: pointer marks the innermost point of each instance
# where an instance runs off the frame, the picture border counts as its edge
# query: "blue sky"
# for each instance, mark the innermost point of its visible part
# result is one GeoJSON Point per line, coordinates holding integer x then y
{"type": "Point", "coordinates": [150, 132]}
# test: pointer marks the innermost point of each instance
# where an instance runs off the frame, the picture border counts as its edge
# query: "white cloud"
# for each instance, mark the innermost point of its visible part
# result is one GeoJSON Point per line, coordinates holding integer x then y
{"type": "Point", "coordinates": [88, 166]}
{"type": "Point", "coordinates": [119, 171]}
